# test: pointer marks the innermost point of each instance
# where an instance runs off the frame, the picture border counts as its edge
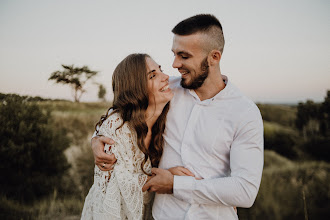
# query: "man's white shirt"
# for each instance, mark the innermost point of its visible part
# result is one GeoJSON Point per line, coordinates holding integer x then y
{"type": "Point", "coordinates": [219, 140]}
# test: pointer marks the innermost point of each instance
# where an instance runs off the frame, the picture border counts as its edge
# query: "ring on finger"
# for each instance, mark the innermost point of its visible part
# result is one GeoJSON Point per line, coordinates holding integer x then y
{"type": "Point", "coordinates": [103, 165]}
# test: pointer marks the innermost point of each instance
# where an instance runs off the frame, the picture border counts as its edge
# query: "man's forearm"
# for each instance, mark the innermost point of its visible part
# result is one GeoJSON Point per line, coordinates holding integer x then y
{"type": "Point", "coordinates": [229, 191]}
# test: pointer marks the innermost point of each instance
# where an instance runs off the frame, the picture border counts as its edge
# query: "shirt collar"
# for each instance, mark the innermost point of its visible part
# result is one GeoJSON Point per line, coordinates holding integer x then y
{"type": "Point", "coordinates": [218, 96]}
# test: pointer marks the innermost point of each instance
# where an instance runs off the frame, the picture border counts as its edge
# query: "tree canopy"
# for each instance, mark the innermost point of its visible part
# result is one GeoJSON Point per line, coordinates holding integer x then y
{"type": "Point", "coordinates": [75, 77]}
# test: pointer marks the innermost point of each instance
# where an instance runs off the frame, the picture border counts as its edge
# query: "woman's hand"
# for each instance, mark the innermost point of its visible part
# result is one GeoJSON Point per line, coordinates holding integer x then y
{"type": "Point", "coordinates": [181, 171]}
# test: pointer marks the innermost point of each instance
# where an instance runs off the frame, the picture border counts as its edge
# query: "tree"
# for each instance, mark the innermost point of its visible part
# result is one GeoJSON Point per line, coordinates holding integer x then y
{"type": "Point", "coordinates": [313, 119]}
{"type": "Point", "coordinates": [313, 122]}
{"type": "Point", "coordinates": [102, 92]}
{"type": "Point", "coordinates": [31, 150]}
{"type": "Point", "coordinates": [307, 120]}
{"type": "Point", "coordinates": [325, 116]}
{"type": "Point", "coordinates": [76, 77]}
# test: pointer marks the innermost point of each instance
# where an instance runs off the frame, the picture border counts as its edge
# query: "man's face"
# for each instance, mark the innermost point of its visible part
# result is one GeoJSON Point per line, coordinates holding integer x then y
{"type": "Point", "coordinates": [190, 59]}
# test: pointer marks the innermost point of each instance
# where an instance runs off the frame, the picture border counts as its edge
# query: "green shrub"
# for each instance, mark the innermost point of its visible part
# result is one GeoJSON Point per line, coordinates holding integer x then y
{"type": "Point", "coordinates": [275, 161]}
{"type": "Point", "coordinates": [13, 210]}
{"type": "Point", "coordinates": [281, 139]}
{"type": "Point", "coordinates": [31, 150]}
{"type": "Point", "coordinates": [318, 148]}
{"type": "Point", "coordinates": [282, 114]}
{"type": "Point", "coordinates": [291, 191]}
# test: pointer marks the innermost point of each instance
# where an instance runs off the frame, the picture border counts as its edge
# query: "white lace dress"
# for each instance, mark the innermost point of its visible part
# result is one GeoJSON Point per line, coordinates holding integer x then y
{"type": "Point", "coordinates": [117, 194]}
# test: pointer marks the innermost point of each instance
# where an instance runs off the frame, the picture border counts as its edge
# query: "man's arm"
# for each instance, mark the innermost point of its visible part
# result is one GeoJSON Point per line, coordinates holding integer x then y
{"type": "Point", "coordinates": [104, 161]}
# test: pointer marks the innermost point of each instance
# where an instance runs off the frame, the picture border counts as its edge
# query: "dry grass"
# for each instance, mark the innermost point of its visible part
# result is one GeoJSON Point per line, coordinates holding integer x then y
{"type": "Point", "coordinates": [79, 120]}
{"type": "Point", "coordinates": [281, 194]}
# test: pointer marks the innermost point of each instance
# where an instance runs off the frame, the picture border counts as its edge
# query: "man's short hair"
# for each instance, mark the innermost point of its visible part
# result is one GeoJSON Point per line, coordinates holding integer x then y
{"type": "Point", "coordinates": [203, 23]}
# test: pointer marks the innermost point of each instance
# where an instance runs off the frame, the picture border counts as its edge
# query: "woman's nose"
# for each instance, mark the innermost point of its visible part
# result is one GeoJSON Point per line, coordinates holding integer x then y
{"type": "Point", "coordinates": [165, 77]}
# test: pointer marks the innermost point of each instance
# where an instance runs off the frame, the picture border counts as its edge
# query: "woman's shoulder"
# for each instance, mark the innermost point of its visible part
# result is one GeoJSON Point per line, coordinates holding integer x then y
{"type": "Point", "coordinates": [114, 124]}
{"type": "Point", "coordinates": [114, 118]}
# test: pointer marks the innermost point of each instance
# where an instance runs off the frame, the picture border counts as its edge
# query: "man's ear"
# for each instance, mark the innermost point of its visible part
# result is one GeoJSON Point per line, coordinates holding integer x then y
{"type": "Point", "coordinates": [215, 56]}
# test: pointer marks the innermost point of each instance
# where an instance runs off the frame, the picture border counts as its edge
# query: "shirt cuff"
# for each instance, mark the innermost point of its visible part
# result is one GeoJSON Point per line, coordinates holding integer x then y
{"type": "Point", "coordinates": [183, 187]}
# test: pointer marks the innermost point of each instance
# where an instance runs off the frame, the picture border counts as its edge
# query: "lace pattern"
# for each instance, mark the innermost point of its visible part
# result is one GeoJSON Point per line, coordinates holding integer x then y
{"type": "Point", "coordinates": [117, 194]}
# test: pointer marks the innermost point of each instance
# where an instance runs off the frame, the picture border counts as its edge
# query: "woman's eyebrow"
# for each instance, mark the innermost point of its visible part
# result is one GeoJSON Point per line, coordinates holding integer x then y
{"type": "Point", "coordinates": [151, 71]}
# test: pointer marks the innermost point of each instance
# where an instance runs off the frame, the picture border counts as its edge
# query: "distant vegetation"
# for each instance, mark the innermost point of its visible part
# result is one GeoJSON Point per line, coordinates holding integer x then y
{"type": "Point", "coordinates": [102, 92]}
{"type": "Point", "coordinates": [296, 176]}
{"type": "Point", "coordinates": [295, 181]}
{"type": "Point", "coordinates": [75, 77]}
{"type": "Point", "coordinates": [3, 97]}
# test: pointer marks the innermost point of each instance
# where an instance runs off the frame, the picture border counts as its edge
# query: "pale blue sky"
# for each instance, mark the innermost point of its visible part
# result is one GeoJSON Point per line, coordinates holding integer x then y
{"type": "Point", "coordinates": [275, 52]}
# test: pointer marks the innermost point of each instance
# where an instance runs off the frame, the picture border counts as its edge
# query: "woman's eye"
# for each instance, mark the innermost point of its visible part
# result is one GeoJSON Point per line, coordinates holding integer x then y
{"type": "Point", "coordinates": [152, 76]}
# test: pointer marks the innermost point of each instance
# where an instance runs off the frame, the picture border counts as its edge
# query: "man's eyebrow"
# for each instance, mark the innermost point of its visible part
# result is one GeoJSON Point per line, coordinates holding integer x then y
{"type": "Point", "coordinates": [182, 53]}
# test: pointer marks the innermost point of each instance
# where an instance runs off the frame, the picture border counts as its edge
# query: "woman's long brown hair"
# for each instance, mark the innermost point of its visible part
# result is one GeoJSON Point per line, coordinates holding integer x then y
{"type": "Point", "coordinates": [130, 89]}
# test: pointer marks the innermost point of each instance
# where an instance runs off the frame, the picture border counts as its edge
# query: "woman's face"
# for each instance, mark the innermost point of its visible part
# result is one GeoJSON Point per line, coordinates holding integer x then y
{"type": "Point", "coordinates": [158, 87]}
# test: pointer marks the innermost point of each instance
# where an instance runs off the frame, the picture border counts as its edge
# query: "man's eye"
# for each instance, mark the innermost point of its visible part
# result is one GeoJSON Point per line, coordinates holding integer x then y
{"type": "Point", "coordinates": [184, 57]}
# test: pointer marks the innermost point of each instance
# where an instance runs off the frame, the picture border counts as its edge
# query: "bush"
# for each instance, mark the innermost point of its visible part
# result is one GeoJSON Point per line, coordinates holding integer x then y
{"type": "Point", "coordinates": [281, 140]}
{"type": "Point", "coordinates": [31, 150]}
{"type": "Point", "coordinates": [13, 210]}
{"type": "Point", "coordinates": [291, 191]}
{"type": "Point", "coordinates": [318, 148]}
{"type": "Point", "coordinates": [282, 114]}
{"type": "Point", "coordinates": [274, 160]}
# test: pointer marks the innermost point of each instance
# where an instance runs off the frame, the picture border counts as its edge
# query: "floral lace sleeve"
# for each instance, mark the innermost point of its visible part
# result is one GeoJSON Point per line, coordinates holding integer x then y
{"type": "Point", "coordinates": [117, 194]}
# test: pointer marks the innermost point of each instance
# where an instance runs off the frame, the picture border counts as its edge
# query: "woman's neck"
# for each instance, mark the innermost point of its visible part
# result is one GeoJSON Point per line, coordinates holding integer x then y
{"type": "Point", "coordinates": [152, 114]}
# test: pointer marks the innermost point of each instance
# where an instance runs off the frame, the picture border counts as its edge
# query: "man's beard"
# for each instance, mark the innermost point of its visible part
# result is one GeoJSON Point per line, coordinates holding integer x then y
{"type": "Point", "coordinates": [197, 81]}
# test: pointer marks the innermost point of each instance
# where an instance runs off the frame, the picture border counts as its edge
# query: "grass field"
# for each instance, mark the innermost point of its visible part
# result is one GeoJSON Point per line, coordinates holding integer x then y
{"type": "Point", "coordinates": [289, 189]}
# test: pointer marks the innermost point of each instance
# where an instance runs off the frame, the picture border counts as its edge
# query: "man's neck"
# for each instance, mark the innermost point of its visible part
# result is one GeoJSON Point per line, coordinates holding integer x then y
{"type": "Point", "coordinates": [211, 87]}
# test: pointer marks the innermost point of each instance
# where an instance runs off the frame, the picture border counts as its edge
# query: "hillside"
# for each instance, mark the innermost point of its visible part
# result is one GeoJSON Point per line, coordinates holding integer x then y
{"type": "Point", "coordinates": [290, 188]}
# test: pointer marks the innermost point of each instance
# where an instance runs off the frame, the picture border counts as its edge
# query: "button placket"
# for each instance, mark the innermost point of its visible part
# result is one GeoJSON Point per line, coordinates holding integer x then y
{"type": "Point", "coordinates": [189, 132]}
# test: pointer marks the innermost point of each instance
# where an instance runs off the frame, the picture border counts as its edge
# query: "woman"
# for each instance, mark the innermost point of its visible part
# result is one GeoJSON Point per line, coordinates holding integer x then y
{"type": "Point", "coordinates": [136, 122]}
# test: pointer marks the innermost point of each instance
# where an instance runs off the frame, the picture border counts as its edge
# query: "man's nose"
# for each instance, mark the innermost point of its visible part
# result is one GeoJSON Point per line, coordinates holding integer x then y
{"type": "Point", "coordinates": [176, 63]}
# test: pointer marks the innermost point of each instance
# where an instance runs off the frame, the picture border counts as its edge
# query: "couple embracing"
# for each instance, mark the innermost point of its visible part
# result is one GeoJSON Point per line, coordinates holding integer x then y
{"type": "Point", "coordinates": [195, 140]}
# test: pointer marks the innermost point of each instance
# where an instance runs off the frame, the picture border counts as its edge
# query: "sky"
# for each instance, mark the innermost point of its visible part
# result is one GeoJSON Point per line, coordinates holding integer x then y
{"type": "Point", "coordinates": [275, 52]}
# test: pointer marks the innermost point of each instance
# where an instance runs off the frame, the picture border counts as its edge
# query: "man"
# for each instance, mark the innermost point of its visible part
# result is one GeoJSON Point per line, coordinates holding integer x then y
{"type": "Point", "coordinates": [212, 130]}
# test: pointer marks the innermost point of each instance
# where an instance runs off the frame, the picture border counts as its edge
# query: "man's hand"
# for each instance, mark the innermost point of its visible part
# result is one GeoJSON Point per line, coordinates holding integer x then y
{"type": "Point", "coordinates": [104, 161]}
{"type": "Point", "coordinates": [161, 182]}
